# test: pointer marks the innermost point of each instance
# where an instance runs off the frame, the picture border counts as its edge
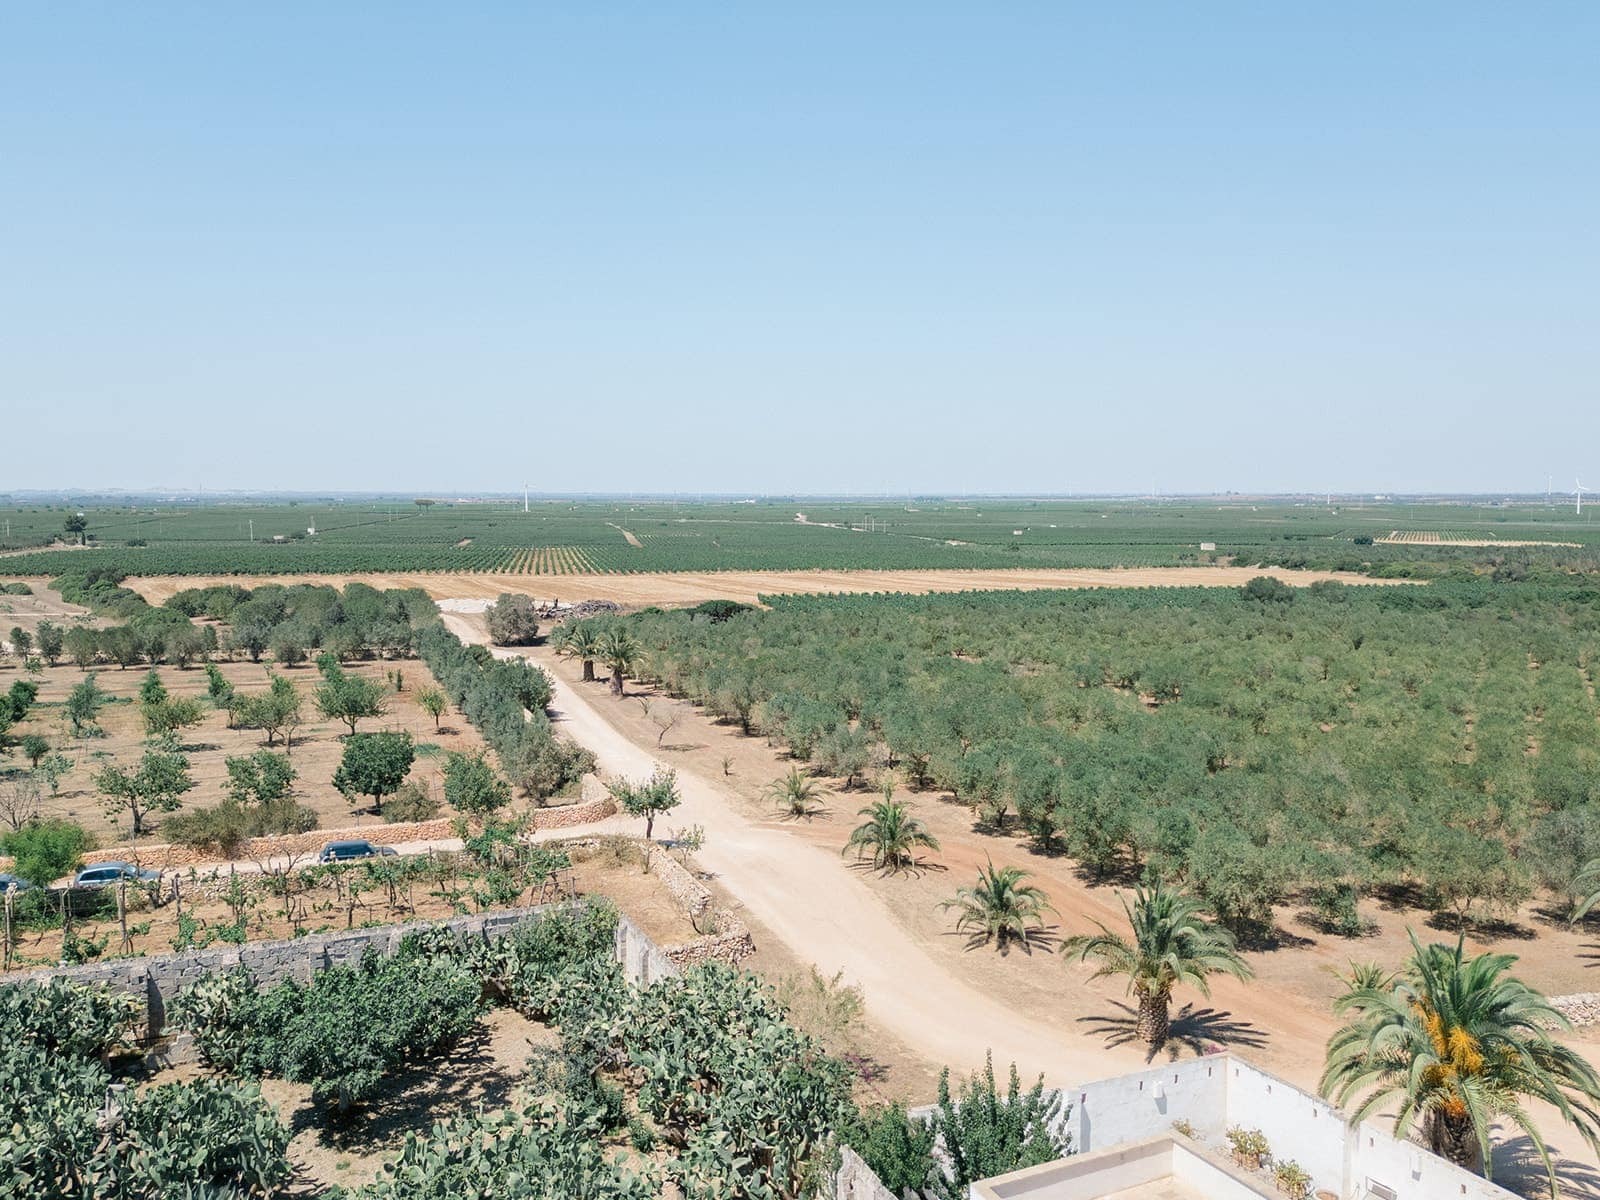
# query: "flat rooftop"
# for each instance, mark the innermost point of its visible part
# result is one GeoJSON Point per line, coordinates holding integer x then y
{"type": "Point", "coordinates": [1166, 1167]}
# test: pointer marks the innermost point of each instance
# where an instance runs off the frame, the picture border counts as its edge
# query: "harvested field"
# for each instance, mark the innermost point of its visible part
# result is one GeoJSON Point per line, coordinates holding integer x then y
{"type": "Point", "coordinates": [691, 587]}
{"type": "Point", "coordinates": [1400, 537]}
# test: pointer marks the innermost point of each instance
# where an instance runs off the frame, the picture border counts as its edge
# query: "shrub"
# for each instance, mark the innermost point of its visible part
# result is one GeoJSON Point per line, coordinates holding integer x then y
{"type": "Point", "coordinates": [512, 621]}
{"type": "Point", "coordinates": [1267, 590]}
{"type": "Point", "coordinates": [984, 1133]}
{"type": "Point", "coordinates": [472, 786]}
{"type": "Point", "coordinates": [718, 611]}
{"type": "Point", "coordinates": [343, 1032]}
{"type": "Point", "coordinates": [67, 1019]}
{"type": "Point", "coordinates": [543, 1151]}
{"type": "Point", "coordinates": [225, 827]}
{"type": "Point", "coordinates": [897, 1148]}
{"type": "Point", "coordinates": [220, 1010]}
{"type": "Point", "coordinates": [46, 850]}
{"type": "Point", "coordinates": [414, 801]}
{"type": "Point", "coordinates": [217, 1134]}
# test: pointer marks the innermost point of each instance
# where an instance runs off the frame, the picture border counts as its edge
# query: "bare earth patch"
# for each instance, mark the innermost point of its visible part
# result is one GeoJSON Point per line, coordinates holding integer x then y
{"type": "Point", "coordinates": [691, 587]}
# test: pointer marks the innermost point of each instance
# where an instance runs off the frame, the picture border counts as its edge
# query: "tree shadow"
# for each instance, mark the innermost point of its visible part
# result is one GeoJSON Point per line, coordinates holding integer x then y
{"type": "Point", "coordinates": [1517, 1166]}
{"type": "Point", "coordinates": [463, 1077]}
{"type": "Point", "coordinates": [811, 811]}
{"type": "Point", "coordinates": [915, 870]}
{"type": "Point", "coordinates": [1201, 1031]}
{"type": "Point", "coordinates": [1312, 919]}
{"type": "Point", "coordinates": [1485, 929]}
{"type": "Point", "coordinates": [1045, 940]}
{"type": "Point", "coordinates": [1269, 935]}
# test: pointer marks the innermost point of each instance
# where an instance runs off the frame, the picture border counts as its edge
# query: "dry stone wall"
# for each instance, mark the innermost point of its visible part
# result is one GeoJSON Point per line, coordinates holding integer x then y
{"type": "Point", "coordinates": [166, 855]}
{"type": "Point", "coordinates": [1581, 1008]}
{"type": "Point", "coordinates": [854, 1180]}
{"type": "Point", "coordinates": [159, 978]}
{"type": "Point", "coordinates": [729, 940]}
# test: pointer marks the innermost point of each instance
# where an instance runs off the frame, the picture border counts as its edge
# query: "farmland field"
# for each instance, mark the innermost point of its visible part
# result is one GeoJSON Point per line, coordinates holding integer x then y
{"type": "Point", "coordinates": [620, 537]}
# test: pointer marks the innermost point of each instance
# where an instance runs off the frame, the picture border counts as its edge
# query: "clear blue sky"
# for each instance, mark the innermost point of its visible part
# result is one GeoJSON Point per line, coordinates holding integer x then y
{"type": "Point", "coordinates": [806, 247]}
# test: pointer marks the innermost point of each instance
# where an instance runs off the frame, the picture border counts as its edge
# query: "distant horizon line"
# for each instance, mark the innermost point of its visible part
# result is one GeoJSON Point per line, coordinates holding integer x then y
{"type": "Point", "coordinates": [195, 496]}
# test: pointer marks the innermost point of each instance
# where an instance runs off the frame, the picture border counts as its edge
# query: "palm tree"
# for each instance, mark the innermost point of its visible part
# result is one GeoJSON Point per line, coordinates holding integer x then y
{"type": "Point", "coordinates": [889, 836]}
{"type": "Point", "coordinates": [795, 792]}
{"type": "Point", "coordinates": [580, 641]}
{"type": "Point", "coordinates": [1458, 1043]}
{"type": "Point", "coordinates": [1001, 908]}
{"type": "Point", "coordinates": [620, 652]}
{"type": "Point", "coordinates": [1171, 944]}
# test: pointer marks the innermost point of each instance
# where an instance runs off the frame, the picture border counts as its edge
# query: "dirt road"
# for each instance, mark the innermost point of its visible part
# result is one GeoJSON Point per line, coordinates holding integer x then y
{"type": "Point", "coordinates": [813, 901]}
{"type": "Point", "coordinates": [691, 587]}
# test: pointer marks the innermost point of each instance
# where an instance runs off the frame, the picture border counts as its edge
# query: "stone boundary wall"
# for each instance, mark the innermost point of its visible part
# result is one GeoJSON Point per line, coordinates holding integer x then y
{"type": "Point", "coordinates": [854, 1180]}
{"type": "Point", "coordinates": [166, 855]}
{"type": "Point", "coordinates": [585, 812]}
{"type": "Point", "coordinates": [158, 978]}
{"type": "Point", "coordinates": [729, 940]}
{"type": "Point", "coordinates": [170, 855]}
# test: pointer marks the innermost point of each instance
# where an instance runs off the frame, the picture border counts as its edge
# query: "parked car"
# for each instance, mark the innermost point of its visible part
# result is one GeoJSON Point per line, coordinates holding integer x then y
{"type": "Point", "coordinates": [101, 874]}
{"type": "Point", "coordinates": [12, 881]}
{"type": "Point", "coordinates": [338, 852]}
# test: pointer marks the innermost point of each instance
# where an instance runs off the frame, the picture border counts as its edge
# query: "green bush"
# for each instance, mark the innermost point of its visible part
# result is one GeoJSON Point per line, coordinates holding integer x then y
{"type": "Point", "coordinates": [216, 1134]}
{"type": "Point", "coordinates": [984, 1133]}
{"type": "Point", "coordinates": [344, 1032]}
{"type": "Point", "coordinates": [46, 850]}
{"type": "Point", "coordinates": [68, 1019]}
{"type": "Point", "coordinates": [897, 1147]}
{"type": "Point", "coordinates": [413, 802]}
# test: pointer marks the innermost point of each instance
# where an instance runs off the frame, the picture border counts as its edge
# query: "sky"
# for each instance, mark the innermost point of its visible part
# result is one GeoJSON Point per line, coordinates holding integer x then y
{"type": "Point", "coordinates": [800, 248]}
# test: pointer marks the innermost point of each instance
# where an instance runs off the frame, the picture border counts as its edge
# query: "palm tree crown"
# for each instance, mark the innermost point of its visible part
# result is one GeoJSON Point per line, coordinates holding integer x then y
{"type": "Point", "coordinates": [795, 792]}
{"type": "Point", "coordinates": [1000, 907]}
{"type": "Point", "coordinates": [1458, 1043]}
{"type": "Point", "coordinates": [580, 641]}
{"type": "Point", "coordinates": [620, 652]}
{"type": "Point", "coordinates": [1172, 944]}
{"type": "Point", "coordinates": [889, 836]}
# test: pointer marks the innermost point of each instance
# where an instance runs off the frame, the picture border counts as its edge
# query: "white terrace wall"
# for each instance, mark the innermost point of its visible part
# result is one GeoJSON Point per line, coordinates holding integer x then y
{"type": "Point", "coordinates": [1377, 1155]}
{"type": "Point", "coordinates": [1132, 1108]}
{"type": "Point", "coordinates": [1297, 1126]}
{"type": "Point", "coordinates": [1218, 1091]}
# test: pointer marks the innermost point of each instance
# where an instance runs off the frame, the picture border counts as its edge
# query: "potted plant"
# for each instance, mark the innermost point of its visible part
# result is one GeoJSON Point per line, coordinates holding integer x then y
{"type": "Point", "coordinates": [1250, 1149]}
{"type": "Point", "coordinates": [1292, 1179]}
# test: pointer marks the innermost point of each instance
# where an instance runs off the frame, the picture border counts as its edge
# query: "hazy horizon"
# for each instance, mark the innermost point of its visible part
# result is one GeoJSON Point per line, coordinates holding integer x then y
{"type": "Point", "coordinates": [925, 249]}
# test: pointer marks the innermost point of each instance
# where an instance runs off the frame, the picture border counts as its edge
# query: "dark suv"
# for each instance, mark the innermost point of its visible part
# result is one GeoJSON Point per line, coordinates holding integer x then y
{"type": "Point", "coordinates": [338, 852]}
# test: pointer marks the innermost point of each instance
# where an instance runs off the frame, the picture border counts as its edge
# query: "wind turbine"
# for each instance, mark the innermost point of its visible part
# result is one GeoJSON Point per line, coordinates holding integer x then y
{"type": "Point", "coordinates": [1577, 495]}
{"type": "Point", "coordinates": [524, 497]}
